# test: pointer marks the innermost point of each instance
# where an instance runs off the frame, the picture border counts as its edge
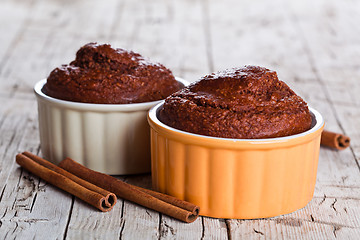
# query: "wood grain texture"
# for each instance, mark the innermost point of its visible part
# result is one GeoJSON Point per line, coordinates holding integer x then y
{"type": "Point", "coordinates": [314, 45]}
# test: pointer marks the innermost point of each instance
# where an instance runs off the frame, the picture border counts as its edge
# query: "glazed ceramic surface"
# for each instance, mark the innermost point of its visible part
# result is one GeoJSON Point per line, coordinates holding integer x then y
{"type": "Point", "coordinates": [110, 138]}
{"type": "Point", "coordinates": [236, 178]}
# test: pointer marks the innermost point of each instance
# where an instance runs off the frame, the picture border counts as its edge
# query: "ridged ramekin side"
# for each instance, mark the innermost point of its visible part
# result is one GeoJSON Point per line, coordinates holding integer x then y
{"type": "Point", "coordinates": [235, 183]}
{"type": "Point", "coordinates": [113, 142]}
{"type": "Point", "coordinates": [111, 138]}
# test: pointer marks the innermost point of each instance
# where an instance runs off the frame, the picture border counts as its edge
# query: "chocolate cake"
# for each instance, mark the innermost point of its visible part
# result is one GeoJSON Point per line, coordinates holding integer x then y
{"type": "Point", "coordinates": [243, 103]}
{"type": "Point", "coordinates": [101, 74]}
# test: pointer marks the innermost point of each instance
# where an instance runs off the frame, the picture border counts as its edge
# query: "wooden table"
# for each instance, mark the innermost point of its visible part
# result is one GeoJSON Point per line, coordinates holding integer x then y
{"type": "Point", "coordinates": [314, 45]}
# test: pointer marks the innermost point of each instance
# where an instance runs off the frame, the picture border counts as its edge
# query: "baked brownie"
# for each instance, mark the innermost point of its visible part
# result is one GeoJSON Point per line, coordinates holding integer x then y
{"type": "Point", "coordinates": [244, 103]}
{"type": "Point", "coordinates": [101, 74]}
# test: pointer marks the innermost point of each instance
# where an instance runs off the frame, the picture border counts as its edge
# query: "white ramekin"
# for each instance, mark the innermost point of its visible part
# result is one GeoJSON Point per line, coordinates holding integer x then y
{"type": "Point", "coordinates": [109, 138]}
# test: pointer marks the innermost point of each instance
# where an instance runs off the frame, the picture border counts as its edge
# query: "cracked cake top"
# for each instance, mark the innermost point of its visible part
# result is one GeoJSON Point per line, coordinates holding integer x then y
{"type": "Point", "coordinates": [101, 74]}
{"type": "Point", "coordinates": [244, 103]}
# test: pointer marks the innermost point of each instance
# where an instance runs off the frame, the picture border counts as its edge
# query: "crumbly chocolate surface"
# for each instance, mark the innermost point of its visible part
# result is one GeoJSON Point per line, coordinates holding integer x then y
{"type": "Point", "coordinates": [243, 103]}
{"type": "Point", "coordinates": [101, 74]}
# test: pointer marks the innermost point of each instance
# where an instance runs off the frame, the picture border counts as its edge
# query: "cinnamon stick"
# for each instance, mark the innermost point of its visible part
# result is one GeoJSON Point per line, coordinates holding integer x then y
{"type": "Point", "coordinates": [168, 205]}
{"type": "Point", "coordinates": [172, 200]}
{"type": "Point", "coordinates": [97, 197]}
{"type": "Point", "coordinates": [334, 140]}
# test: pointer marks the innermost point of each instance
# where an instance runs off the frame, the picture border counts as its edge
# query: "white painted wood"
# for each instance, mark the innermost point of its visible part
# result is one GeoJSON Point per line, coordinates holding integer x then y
{"type": "Point", "coordinates": [87, 222]}
{"type": "Point", "coordinates": [173, 229]}
{"type": "Point", "coordinates": [314, 46]}
{"type": "Point", "coordinates": [322, 218]}
{"type": "Point", "coordinates": [139, 222]}
{"type": "Point", "coordinates": [215, 228]}
{"type": "Point", "coordinates": [28, 207]}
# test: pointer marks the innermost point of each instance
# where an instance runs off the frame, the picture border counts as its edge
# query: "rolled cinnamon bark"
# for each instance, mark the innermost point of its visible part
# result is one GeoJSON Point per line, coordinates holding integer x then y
{"type": "Point", "coordinates": [168, 205]}
{"type": "Point", "coordinates": [334, 140]}
{"type": "Point", "coordinates": [172, 200]}
{"type": "Point", "coordinates": [66, 181]}
{"type": "Point", "coordinates": [110, 198]}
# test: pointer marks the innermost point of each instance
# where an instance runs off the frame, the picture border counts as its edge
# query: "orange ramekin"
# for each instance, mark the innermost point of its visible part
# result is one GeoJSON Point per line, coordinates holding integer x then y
{"type": "Point", "coordinates": [235, 178]}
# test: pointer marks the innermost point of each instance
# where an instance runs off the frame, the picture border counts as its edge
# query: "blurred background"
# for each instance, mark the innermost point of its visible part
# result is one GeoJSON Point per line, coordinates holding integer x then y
{"type": "Point", "coordinates": [192, 38]}
{"type": "Point", "coordinates": [309, 43]}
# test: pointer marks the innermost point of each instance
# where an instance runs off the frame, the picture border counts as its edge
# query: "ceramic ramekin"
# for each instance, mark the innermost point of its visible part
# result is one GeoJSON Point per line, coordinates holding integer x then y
{"type": "Point", "coordinates": [235, 178]}
{"type": "Point", "coordinates": [110, 138]}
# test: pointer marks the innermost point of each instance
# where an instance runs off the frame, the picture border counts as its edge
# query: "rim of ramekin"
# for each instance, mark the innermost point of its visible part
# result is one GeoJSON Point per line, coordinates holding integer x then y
{"type": "Point", "coordinates": [202, 140]}
{"type": "Point", "coordinates": [95, 106]}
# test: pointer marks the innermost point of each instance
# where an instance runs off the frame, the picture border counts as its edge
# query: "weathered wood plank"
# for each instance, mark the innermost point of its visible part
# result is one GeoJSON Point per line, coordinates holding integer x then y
{"type": "Point", "coordinates": [313, 45]}
{"type": "Point", "coordinates": [323, 218]}
{"type": "Point", "coordinates": [173, 229]}
{"type": "Point", "coordinates": [139, 222]}
{"type": "Point", "coordinates": [28, 207]}
{"type": "Point", "coordinates": [215, 228]}
{"type": "Point", "coordinates": [86, 222]}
